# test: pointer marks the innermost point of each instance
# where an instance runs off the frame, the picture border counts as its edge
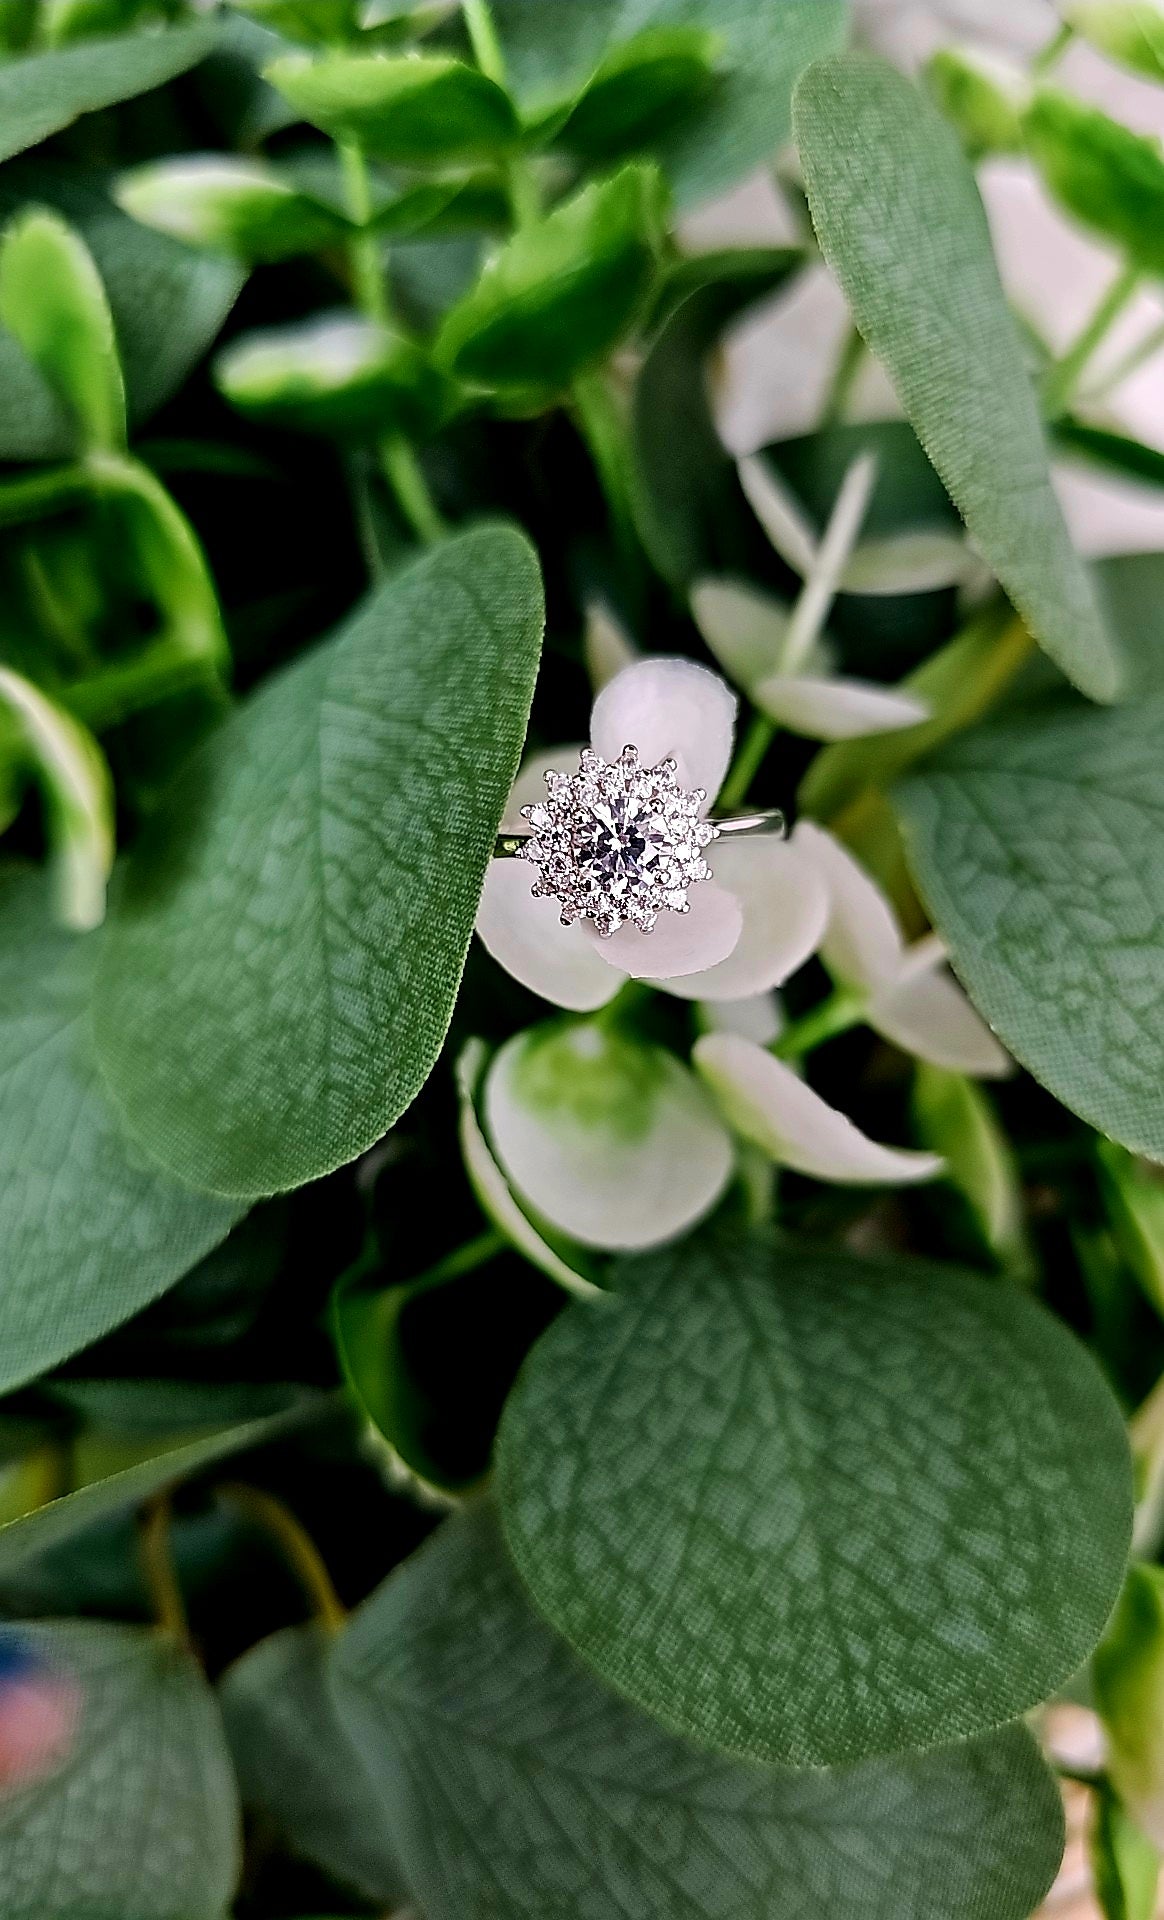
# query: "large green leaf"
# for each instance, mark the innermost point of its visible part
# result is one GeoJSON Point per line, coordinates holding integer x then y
{"type": "Point", "coordinates": [89, 1232]}
{"type": "Point", "coordinates": [297, 1766]}
{"type": "Point", "coordinates": [44, 92]}
{"type": "Point", "coordinates": [745, 116]}
{"type": "Point", "coordinates": [519, 1786]}
{"type": "Point", "coordinates": [140, 1822]}
{"type": "Point", "coordinates": [925, 292]}
{"type": "Point", "coordinates": [811, 1508]}
{"type": "Point", "coordinates": [1036, 844]}
{"type": "Point", "coordinates": [284, 955]}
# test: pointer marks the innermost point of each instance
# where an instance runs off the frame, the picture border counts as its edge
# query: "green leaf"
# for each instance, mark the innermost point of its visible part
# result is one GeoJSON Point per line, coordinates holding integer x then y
{"type": "Point", "coordinates": [419, 110]}
{"type": "Point", "coordinates": [140, 1822]}
{"type": "Point", "coordinates": [551, 51]}
{"type": "Point", "coordinates": [338, 374]}
{"type": "Point", "coordinates": [1109, 178]}
{"type": "Point", "coordinates": [562, 292]}
{"type": "Point", "coordinates": [297, 1766]}
{"type": "Point", "coordinates": [519, 1786]}
{"type": "Point", "coordinates": [1115, 451]}
{"type": "Point", "coordinates": [1034, 842]}
{"type": "Point", "coordinates": [240, 206]}
{"type": "Point", "coordinates": [52, 300]}
{"type": "Point", "coordinates": [1124, 1864]}
{"type": "Point", "coordinates": [46, 1526]}
{"type": "Point", "coordinates": [869, 139]}
{"type": "Point", "coordinates": [980, 97]}
{"type": "Point", "coordinates": [955, 1118]}
{"type": "Point", "coordinates": [88, 1233]}
{"type": "Point", "coordinates": [286, 950]}
{"type": "Point", "coordinates": [810, 1509]}
{"type": "Point", "coordinates": [78, 793]}
{"type": "Point", "coordinates": [640, 91]}
{"type": "Point", "coordinates": [44, 92]}
{"type": "Point", "coordinates": [1128, 1678]}
{"type": "Point", "coordinates": [1129, 30]}
{"type": "Point", "coordinates": [314, 22]}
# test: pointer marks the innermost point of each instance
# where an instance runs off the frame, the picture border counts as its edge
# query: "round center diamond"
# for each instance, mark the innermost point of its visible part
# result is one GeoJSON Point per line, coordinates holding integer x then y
{"type": "Point", "coordinates": [617, 841]}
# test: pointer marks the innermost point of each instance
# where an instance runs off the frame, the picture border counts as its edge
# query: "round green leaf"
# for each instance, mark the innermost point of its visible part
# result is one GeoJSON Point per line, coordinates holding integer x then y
{"type": "Point", "coordinates": [1036, 844]}
{"type": "Point", "coordinates": [284, 955]}
{"type": "Point", "coordinates": [811, 1509]}
{"type": "Point", "coordinates": [868, 140]}
{"type": "Point", "coordinates": [419, 110]}
{"type": "Point", "coordinates": [1109, 178]}
{"type": "Point", "coordinates": [520, 1786]}
{"type": "Point", "coordinates": [89, 1231]}
{"type": "Point", "coordinates": [338, 374]}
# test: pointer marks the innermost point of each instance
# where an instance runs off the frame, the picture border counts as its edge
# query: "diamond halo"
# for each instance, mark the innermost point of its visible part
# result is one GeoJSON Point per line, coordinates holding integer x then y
{"type": "Point", "coordinates": [618, 842]}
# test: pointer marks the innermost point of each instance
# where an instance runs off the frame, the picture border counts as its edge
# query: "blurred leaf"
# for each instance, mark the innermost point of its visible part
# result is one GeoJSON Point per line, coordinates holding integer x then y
{"type": "Point", "coordinates": [1107, 449]}
{"type": "Point", "coordinates": [955, 1118]}
{"type": "Point", "coordinates": [519, 1785]}
{"type": "Point", "coordinates": [639, 91]}
{"type": "Point", "coordinates": [420, 110]}
{"type": "Point", "coordinates": [128, 1486]}
{"type": "Point", "coordinates": [1134, 1194]}
{"type": "Point", "coordinates": [818, 1453]}
{"type": "Point", "coordinates": [63, 21]}
{"type": "Point", "coordinates": [1108, 177]}
{"type": "Point", "coordinates": [140, 1821]}
{"type": "Point", "coordinates": [287, 946]}
{"type": "Point", "coordinates": [562, 292]}
{"type": "Point", "coordinates": [314, 22]}
{"type": "Point", "coordinates": [337, 374]}
{"type": "Point", "coordinates": [78, 795]}
{"type": "Point", "coordinates": [868, 139]}
{"type": "Point", "coordinates": [1132, 587]}
{"type": "Point", "coordinates": [297, 1766]}
{"type": "Point", "coordinates": [52, 300]}
{"type": "Point", "coordinates": [1128, 1677]}
{"type": "Point", "coordinates": [1129, 30]}
{"type": "Point", "coordinates": [241, 206]}
{"type": "Point", "coordinates": [88, 1233]}
{"type": "Point", "coordinates": [1124, 1864]}
{"type": "Point", "coordinates": [982, 97]}
{"type": "Point", "coordinates": [43, 92]}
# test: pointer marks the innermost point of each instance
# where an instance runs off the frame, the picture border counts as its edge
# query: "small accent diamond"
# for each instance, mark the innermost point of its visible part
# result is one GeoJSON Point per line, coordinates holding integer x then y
{"type": "Point", "coordinates": [617, 841]}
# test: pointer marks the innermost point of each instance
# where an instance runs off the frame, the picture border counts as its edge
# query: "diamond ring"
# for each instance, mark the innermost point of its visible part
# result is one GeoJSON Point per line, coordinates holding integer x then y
{"type": "Point", "coordinates": [619, 842]}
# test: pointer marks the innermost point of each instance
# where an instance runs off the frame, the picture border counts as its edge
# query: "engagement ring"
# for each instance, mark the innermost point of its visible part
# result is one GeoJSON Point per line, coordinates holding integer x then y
{"type": "Point", "coordinates": [619, 842]}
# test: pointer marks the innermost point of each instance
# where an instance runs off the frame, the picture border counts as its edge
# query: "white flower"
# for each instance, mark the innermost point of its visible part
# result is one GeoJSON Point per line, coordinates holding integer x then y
{"type": "Point", "coordinates": [904, 993]}
{"type": "Point", "coordinates": [751, 926]}
{"type": "Point", "coordinates": [767, 648]}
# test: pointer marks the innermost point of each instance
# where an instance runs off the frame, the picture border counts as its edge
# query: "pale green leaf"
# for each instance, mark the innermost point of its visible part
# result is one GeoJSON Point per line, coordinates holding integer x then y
{"type": "Point", "coordinates": [53, 302]}
{"type": "Point", "coordinates": [809, 1508]}
{"type": "Point", "coordinates": [1131, 31]}
{"type": "Point", "coordinates": [924, 290]}
{"type": "Point", "coordinates": [78, 797]}
{"type": "Point", "coordinates": [241, 206]}
{"type": "Point", "coordinates": [418, 110]}
{"type": "Point", "coordinates": [286, 950]}
{"type": "Point", "coordinates": [89, 1233]}
{"type": "Point", "coordinates": [140, 1822]}
{"type": "Point", "coordinates": [1110, 178]}
{"type": "Point", "coordinates": [1035, 841]}
{"type": "Point", "coordinates": [43, 92]}
{"type": "Point", "coordinates": [521, 1788]}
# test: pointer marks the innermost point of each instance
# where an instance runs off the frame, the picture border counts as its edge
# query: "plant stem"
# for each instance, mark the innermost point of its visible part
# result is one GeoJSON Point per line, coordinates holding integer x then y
{"type": "Point", "coordinates": [1056, 47]}
{"type": "Point", "coordinates": [483, 38]}
{"type": "Point", "coordinates": [157, 1562]}
{"type": "Point", "coordinates": [746, 765]}
{"type": "Point", "coordinates": [602, 424]}
{"type": "Point", "coordinates": [467, 1258]}
{"type": "Point", "coordinates": [402, 470]}
{"type": "Point", "coordinates": [43, 493]}
{"type": "Point", "coordinates": [840, 1011]}
{"type": "Point", "coordinates": [1062, 376]}
{"type": "Point", "coordinates": [849, 364]}
{"type": "Point", "coordinates": [1135, 357]}
{"type": "Point", "coordinates": [296, 1545]}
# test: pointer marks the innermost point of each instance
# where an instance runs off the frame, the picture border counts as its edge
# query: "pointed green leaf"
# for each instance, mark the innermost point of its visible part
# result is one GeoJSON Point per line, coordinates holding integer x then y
{"type": "Point", "coordinates": [322, 22]}
{"type": "Point", "coordinates": [419, 110]}
{"type": "Point", "coordinates": [78, 793]}
{"type": "Point", "coordinates": [1124, 1864]}
{"type": "Point", "coordinates": [52, 300]}
{"type": "Point", "coordinates": [297, 1766]}
{"type": "Point", "coordinates": [140, 1821]}
{"type": "Point", "coordinates": [1128, 1675]}
{"type": "Point", "coordinates": [869, 140]}
{"type": "Point", "coordinates": [43, 92]}
{"type": "Point", "coordinates": [1128, 30]}
{"type": "Point", "coordinates": [1108, 177]}
{"type": "Point", "coordinates": [642, 89]}
{"type": "Point", "coordinates": [811, 1509]}
{"type": "Point", "coordinates": [519, 1786]}
{"type": "Point", "coordinates": [1035, 843]}
{"type": "Point", "coordinates": [88, 1232]}
{"type": "Point", "coordinates": [337, 374]}
{"type": "Point", "coordinates": [285, 952]}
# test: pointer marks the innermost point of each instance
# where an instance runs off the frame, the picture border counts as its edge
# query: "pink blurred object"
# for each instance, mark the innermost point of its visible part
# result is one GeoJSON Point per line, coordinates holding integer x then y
{"type": "Point", "coordinates": [40, 1711]}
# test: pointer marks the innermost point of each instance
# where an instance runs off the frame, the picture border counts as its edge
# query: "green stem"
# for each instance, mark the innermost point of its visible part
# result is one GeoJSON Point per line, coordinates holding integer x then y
{"type": "Point", "coordinates": [1062, 377]}
{"type": "Point", "coordinates": [403, 473]}
{"type": "Point", "coordinates": [41, 494]}
{"type": "Point", "coordinates": [157, 1560]}
{"type": "Point", "coordinates": [482, 31]}
{"type": "Point", "coordinates": [602, 424]}
{"type": "Point", "coordinates": [1135, 357]}
{"type": "Point", "coordinates": [1055, 48]}
{"type": "Point", "coordinates": [465, 1259]}
{"type": "Point", "coordinates": [105, 698]}
{"type": "Point", "coordinates": [835, 1015]}
{"type": "Point", "coordinates": [297, 1547]}
{"type": "Point", "coordinates": [746, 765]}
{"type": "Point", "coordinates": [630, 995]}
{"type": "Point", "coordinates": [849, 364]}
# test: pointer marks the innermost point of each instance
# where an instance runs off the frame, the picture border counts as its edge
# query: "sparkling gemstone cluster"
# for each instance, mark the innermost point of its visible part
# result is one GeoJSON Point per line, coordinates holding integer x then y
{"type": "Point", "coordinates": [617, 841]}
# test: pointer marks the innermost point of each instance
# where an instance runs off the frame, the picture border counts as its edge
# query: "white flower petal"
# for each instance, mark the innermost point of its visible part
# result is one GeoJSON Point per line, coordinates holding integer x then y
{"type": "Point", "coordinates": [493, 1191]}
{"type": "Point", "coordinates": [669, 707]}
{"type": "Point", "coordinates": [763, 1099]}
{"type": "Point", "coordinates": [759, 1018]}
{"type": "Point", "coordinates": [862, 946]}
{"type": "Point", "coordinates": [606, 646]}
{"type": "Point", "coordinates": [919, 562]}
{"type": "Point", "coordinates": [615, 1143]}
{"type": "Point", "coordinates": [680, 943]}
{"type": "Point", "coordinates": [744, 628]}
{"type": "Point", "coordinates": [530, 785]}
{"type": "Point", "coordinates": [836, 709]}
{"type": "Point", "coordinates": [779, 513]}
{"type": "Point", "coordinates": [527, 938]}
{"type": "Point", "coordinates": [929, 1016]}
{"type": "Point", "coordinates": [785, 906]}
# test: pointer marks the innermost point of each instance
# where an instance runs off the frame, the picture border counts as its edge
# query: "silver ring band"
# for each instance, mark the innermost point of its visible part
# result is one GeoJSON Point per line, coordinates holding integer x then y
{"type": "Point", "coordinates": [769, 822]}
